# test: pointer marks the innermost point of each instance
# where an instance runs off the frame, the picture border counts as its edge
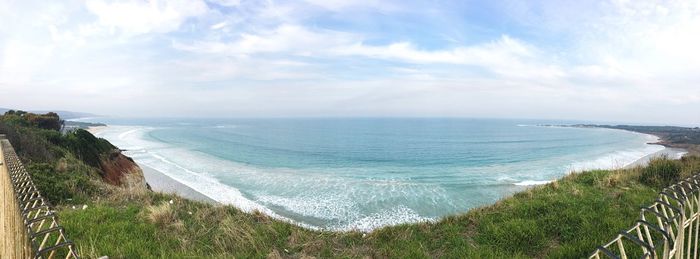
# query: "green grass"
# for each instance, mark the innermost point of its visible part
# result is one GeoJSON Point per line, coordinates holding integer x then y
{"type": "Point", "coordinates": [565, 219]}
{"type": "Point", "coordinates": [116, 228]}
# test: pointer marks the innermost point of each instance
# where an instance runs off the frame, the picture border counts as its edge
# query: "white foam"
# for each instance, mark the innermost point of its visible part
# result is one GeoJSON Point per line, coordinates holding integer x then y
{"type": "Point", "coordinates": [518, 175]}
{"type": "Point", "coordinates": [620, 158]}
{"type": "Point", "coordinates": [315, 193]}
{"type": "Point", "coordinates": [679, 155]}
{"type": "Point", "coordinates": [327, 208]}
{"type": "Point", "coordinates": [225, 126]}
{"type": "Point", "coordinates": [197, 181]}
{"type": "Point", "coordinates": [194, 169]}
{"type": "Point", "coordinates": [531, 182]}
{"type": "Point", "coordinates": [127, 133]}
{"type": "Point", "coordinates": [393, 216]}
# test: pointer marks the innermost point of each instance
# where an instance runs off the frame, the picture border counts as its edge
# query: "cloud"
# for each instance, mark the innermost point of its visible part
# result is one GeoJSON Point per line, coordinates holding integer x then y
{"type": "Point", "coordinates": [505, 56]}
{"type": "Point", "coordinates": [141, 17]}
{"type": "Point", "coordinates": [219, 26]}
{"type": "Point", "coordinates": [631, 60]}
{"type": "Point", "coordinates": [21, 63]}
{"type": "Point", "coordinates": [228, 3]}
{"type": "Point", "coordinates": [337, 5]}
{"type": "Point", "coordinates": [285, 39]}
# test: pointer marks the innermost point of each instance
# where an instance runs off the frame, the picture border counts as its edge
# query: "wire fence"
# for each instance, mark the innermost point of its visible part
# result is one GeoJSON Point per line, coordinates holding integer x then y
{"type": "Point", "coordinates": [32, 229]}
{"type": "Point", "coordinates": [668, 228]}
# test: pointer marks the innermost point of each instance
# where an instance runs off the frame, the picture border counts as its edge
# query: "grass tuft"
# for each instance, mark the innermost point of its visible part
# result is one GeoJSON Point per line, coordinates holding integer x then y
{"type": "Point", "coordinates": [661, 172]}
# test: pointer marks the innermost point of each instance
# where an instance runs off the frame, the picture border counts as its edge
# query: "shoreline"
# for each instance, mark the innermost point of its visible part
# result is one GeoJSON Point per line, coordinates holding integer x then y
{"type": "Point", "coordinates": [163, 183]}
{"type": "Point", "coordinates": [668, 151]}
{"type": "Point", "coordinates": [672, 153]}
{"type": "Point", "coordinates": [160, 182]}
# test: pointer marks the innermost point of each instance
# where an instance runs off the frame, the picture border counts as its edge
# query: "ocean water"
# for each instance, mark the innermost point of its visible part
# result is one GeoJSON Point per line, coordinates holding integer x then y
{"type": "Point", "coordinates": [361, 174]}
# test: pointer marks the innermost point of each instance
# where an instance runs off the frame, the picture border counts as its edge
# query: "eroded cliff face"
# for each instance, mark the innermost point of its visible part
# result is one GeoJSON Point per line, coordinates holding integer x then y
{"type": "Point", "coordinates": [121, 170]}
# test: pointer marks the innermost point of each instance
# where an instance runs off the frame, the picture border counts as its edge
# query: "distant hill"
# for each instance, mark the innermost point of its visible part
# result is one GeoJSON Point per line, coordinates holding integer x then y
{"type": "Point", "coordinates": [66, 115]}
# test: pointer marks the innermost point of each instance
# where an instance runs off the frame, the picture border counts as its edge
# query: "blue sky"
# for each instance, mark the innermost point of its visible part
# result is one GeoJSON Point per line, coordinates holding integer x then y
{"type": "Point", "coordinates": [618, 60]}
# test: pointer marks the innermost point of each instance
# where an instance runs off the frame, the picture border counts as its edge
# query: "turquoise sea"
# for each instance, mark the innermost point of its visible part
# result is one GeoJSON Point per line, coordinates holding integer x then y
{"type": "Point", "coordinates": [363, 173]}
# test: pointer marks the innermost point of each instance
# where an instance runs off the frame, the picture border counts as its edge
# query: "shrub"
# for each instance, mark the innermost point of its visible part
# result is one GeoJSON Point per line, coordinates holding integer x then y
{"type": "Point", "coordinates": [58, 186]}
{"type": "Point", "coordinates": [30, 143]}
{"type": "Point", "coordinates": [87, 147]}
{"type": "Point", "coordinates": [49, 121]}
{"type": "Point", "coordinates": [661, 172]}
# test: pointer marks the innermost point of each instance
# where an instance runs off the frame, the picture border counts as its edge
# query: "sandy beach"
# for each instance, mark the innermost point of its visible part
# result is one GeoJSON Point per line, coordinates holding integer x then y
{"type": "Point", "coordinates": [673, 153]}
{"type": "Point", "coordinates": [96, 129]}
{"type": "Point", "coordinates": [160, 182]}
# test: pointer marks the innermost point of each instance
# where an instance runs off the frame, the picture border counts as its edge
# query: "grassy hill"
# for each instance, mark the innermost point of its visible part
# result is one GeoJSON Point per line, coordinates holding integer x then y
{"type": "Point", "coordinates": [563, 219]}
{"type": "Point", "coordinates": [66, 115]}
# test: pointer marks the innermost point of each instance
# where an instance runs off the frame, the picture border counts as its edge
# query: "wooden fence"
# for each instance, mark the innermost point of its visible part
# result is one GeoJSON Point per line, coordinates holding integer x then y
{"type": "Point", "coordinates": [29, 228]}
{"type": "Point", "coordinates": [668, 228]}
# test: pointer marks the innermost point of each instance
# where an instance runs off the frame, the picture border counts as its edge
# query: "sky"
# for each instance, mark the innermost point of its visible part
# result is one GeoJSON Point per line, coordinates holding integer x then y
{"type": "Point", "coordinates": [627, 61]}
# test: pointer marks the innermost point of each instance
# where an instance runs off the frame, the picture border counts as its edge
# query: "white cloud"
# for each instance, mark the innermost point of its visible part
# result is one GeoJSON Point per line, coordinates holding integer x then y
{"type": "Point", "coordinates": [21, 62]}
{"type": "Point", "coordinates": [219, 26]}
{"type": "Point", "coordinates": [632, 60]}
{"type": "Point", "coordinates": [337, 5]}
{"type": "Point", "coordinates": [140, 17]}
{"type": "Point", "coordinates": [285, 40]}
{"type": "Point", "coordinates": [505, 56]}
{"type": "Point", "coordinates": [228, 3]}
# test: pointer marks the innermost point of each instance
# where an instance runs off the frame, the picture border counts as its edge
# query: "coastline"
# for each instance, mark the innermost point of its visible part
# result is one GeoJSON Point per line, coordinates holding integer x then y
{"type": "Point", "coordinates": [163, 183]}
{"type": "Point", "coordinates": [672, 153]}
{"type": "Point", "coordinates": [160, 182]}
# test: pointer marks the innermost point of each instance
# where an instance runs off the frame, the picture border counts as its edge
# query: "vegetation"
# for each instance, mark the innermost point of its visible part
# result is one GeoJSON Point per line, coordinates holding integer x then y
{"type": "Point", "coordinates": [49, 121]}
{"type": "Point", "coordinates": [661, 172]}
{"type": "Point", "coordinates": [671, 136]}
{"type": "Point", "coordinates": [85, 146]}
{"type": "Point", "coordinates": [564, 219]}
{"type": "Point", "coordinates": [60, 164]}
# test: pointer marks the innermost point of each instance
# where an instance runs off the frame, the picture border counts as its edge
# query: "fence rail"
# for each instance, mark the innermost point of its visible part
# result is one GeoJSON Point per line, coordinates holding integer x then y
{"type": "Point", "coordinates": [38, 235]}
{"type": "Point", "coordinates": [668, 228]}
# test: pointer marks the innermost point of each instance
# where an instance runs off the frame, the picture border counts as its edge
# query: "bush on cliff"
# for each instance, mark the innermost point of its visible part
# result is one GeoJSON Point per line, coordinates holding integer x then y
{"type": "Point", "coordinates": [49, 121]}
{"type": "Point", "coordinates": [661, 172]}
{"type": "Point", "coordinates": [87, 147]}
{"type": "Point", "coordinates": [67, 181]}
{"type": "Point", "coordinates": [61, 165]}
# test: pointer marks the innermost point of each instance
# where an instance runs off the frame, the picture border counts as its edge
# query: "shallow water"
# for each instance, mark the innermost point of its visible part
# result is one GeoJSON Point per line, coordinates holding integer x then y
{"type": "Point", "coordinates": [365, 173]}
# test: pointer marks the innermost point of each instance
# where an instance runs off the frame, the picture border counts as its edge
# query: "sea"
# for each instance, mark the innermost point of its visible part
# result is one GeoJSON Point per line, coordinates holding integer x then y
{"type": "Point", "coordinates": [364, 173]}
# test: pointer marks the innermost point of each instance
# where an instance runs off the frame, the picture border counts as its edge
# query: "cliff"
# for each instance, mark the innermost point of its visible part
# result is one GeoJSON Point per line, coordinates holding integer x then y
{"type": "Point", "coordinates": [118, 169]}
{"type": "Point", "coordinates": [115, 167]}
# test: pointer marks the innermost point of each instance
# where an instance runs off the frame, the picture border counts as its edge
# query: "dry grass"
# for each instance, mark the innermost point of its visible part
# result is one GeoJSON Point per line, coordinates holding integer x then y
{"type": "Point", "coordinates": [234, 235]}
{"type": "Point", "coordinates": [162, 215]}
{"type": "Point", "coordinates": [115, 194]}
